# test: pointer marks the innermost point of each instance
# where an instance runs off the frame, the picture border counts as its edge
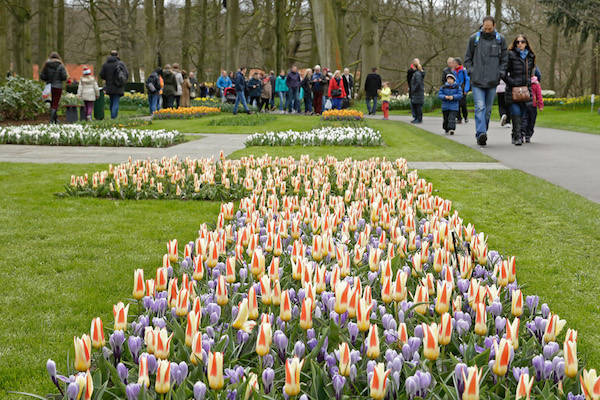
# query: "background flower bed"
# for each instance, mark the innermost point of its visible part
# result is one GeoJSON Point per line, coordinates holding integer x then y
{"type": "Point", "coordinates": [87, 135]}
{"type": "Point", "coordinates": [20, 99]}
{"type": "Point", "coordinates": [185, 112]}
{"type": "Point", "coordinates": [439, 375]}
{"type": "Point", "coordinates": [342, 115]}
{"type": "Point", "coordinates": [337, 136]}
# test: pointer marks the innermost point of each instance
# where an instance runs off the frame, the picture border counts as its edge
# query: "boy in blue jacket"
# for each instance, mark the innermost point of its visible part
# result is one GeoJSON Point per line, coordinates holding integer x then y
{"type": "Point", "coordinates": [450, 94]}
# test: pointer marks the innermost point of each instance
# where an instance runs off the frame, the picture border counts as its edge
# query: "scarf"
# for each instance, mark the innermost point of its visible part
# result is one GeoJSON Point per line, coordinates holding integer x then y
{"type": "Point", "coordinates": [523, 53]}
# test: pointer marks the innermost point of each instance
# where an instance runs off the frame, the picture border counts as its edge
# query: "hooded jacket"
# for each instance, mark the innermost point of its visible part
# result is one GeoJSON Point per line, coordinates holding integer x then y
{"type": "Point", "coordinates": [240, 82]}
{"type": "Point", "coordinates": [453, 90]}
{"type": "Point", "coordinates": [88, 88]}
{"type": "Point", "coordinates": [486, 59]}
{"type": "Point", "coordinates": [372, 84]}
{"type": "Point", "coordinates": [108, 73]}
{"type": "Point", "coordinates": [170, 83]}
{"type": "Point", "coordinates": [417, 87]}
{"type": "Point", "coordinates": [254, 85]}
{"type": "Point", "coordinates": [54, 73]}
{"type": "Point", "coordinates": [223, 82]}
{"type": "Point", "coordinates": [293, 80]}
{"type": "Point", "coordinates": [462, 78]}
{"type": "Point", "coordinates": [280, 85]}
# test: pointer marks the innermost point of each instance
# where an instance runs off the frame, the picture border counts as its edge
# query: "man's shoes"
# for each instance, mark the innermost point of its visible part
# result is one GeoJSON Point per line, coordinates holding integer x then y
{"type": "Point", "coordinates": [466, 120]}
{"type": "Point", "coordinates": [414, 121]}
{"type": "Point", "coordinates": [482, 139]}
{"type": "Point", "coordinates": [451, 132]}
{"type": "Point", "coordinates": [503, 120]}
{"type": "Point", "coordinates": [459, 121]}
{"type": "Point", "coordinates": [527, 139]}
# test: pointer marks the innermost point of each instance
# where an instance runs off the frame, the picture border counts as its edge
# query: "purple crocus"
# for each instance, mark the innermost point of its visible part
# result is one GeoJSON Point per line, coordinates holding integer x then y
{"type": "Point", "coordinates": [338, 385]}
{"type": "Point", "coordinates": [459, 370]}
{"type": "Point", "coordinates": [550, 350]}
{"type": "Point", "coordinates": [538, 364]}
{"type": "Point", "coordinates": [199, 390]}
{"type": "Point", "coordinates": [545, 310]}
{"type": "Point", "coordinates": [135, 345]}
{"type": "Point", "coordinates": [183, 372]}
{"type": "Point", "coordinates": [352, 331]}
{"type": "Point", "coordinates": [532, 303]}
{"type": "Point", "coordinates": [268, 376]}
{"type": "Point", "coordinates": [299, 349]}
{"type": "Point", "coordinates": [123, 372]}
{"type": "Point", "coordinates": [132, 391]}
{"type": "Point", "coordinates": [281, 341]}
{"type": "Point", "coordinates": [412, 386]}
{"type": "Point", "coordinates": [116, 341]}
{"type": "Point", "coordinates": [517, 372]}
{"type": "Point", "coordinates": [72, 391]}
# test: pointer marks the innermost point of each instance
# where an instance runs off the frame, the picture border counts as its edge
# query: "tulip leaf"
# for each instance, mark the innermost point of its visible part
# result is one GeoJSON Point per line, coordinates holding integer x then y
{"type": "Point", "coordinates": [114, 375]}
{"type": "Point", "coordinates": [98, 393]}
{"type": "Point", "coordinates": [35, 396]}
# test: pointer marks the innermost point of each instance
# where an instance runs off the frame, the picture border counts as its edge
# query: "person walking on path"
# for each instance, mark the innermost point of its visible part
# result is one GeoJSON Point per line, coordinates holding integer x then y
{"type": "Point", "coordinates": [281, 89]}
{"type": "Point", "coordinates": [386, 95]}
{"type": "Point", "coordinates": [520, 69]}
{"type": "Point", "coordinates": [451, 64]}
{"type": "Point", "coordinates": [170, 86]}
{"type": "Point", "coordinates": [317, 89]}
{"type": "Point", "coordinates": [223, 83]}
{"type": "Point", "coordinates": [293, 82]}
{"type": "Point", "coordinates": [503, 110]}
{"type": "Point", "coordinates": [336, 90]}
{"type": "Point", "coordinates": [450, 94]}
{"type": "Point", "coordinates": [153, 88]}
{"type": "Point", "coordinates": [417, 92]}
{"type": "Point", "coordinates": [255, 87]}
{"type": "Point", "coordinates": [485, 59]}
{"type": "Point", "coordinates": [348, 83]}
{"type": "Point", "coordinates": [265, 94]}
{"type": "Point", "coordinates": [115, 75]}
{"type": "Point", "coordinates": [186, 87]}
{"type": "Point", "coordinates": [54, 73]}
{"type": "Point", "coordinates": [240, 89]}
{"type": "Point", "coordinates": [372, 86]}
{"type": "Point", "coordinates": [179, 81]}
{"type": "Point", "coordinates": [88, 91]}
{"type": "Point", "coordinates": [537, 103]}
{"type": "Point", "coordinates": [409, 74]}
{"type": "Point", "coordinates": [307, 89]}
{"type": "Point", "coordinates": [463, 80]}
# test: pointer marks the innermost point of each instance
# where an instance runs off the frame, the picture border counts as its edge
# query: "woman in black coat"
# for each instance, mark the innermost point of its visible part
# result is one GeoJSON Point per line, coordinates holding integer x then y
{"type": "Point", "coordinates": [54, 73]}
{"type": "Point", "coordinates": [520, 69]}
{"type": "Point", "coordinates": [417, 92]}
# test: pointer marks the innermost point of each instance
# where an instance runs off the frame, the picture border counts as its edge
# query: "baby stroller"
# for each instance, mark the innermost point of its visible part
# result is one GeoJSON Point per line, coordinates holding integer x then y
{"type": "Point", "coordinates": [230, 95]}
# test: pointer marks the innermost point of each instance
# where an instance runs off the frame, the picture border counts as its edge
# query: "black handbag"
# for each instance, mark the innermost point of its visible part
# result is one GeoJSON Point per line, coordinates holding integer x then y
{"type": "Point", "coordinates": [336, 92]}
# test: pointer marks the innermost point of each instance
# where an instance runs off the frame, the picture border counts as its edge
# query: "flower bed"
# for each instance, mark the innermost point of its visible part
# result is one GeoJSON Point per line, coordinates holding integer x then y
{"type": "Point", "coordinates": [345, 279]}
{"type": "Point", "coordinates": [336, 136]}
{"type": "Point", "coordinates": [569, 101]}
{"type": "Point", "coordinates": [342, 115]}
{"type": "Point", "coordinates": [185, 112]}
{"type": "Point", "coordinates": [87, 135]}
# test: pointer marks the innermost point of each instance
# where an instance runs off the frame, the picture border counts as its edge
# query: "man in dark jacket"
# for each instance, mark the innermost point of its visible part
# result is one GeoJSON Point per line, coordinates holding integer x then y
{"type": "Point", "coordinates": [170, 87]}
{"type": "Point", "coordinates": [255, 87]}
{"type": "Point", "coordinates": [486, 59]}
{"type": "Point", "coordinates": [153, 88]}
{"type": "Point", "coordinates": [272, 78]}
{"type": "Point", "coordinates": [348, 82]}
{"type": "Point", "coordinates": [449, 69]}
{"type": "Point", "coordinates": [293, 82]}
{"type": "Point", "coordinates": [115, 75]}
{"type": "Point", "coordinates": [372, 85]}
{"type": "Point", "coordinates": [240, 89]}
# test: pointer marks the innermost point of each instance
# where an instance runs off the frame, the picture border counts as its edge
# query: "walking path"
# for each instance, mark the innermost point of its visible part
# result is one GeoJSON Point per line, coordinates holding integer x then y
{"type": "Point", "coordinates": [567, 159]}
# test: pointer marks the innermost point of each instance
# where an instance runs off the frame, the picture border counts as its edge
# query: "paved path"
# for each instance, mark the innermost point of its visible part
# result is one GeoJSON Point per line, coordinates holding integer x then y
{"type": "Point", "coordinates": [209, 145]}
{"type": "Point", "coordinates": [567, 159]}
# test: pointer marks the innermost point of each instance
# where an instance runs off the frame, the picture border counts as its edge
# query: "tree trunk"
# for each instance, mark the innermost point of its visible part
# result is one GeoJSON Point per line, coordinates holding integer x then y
{"type": "Point", "coordinates": [326, 31]}
{"type": "Point", "coordinates": [22, 38]}
{"type": "Point", "coordinates": [575, 68]}
{"type": "Point", "coordinates": [281, 31]}
{"type": "Point", "coordinates": [297, 34]}
{"type": "Point", "coordinates": [28, 72]}
{"type": "Point", "coordinates": [51, 27]}
{"type": "Point", "coordinates": [232, 51]}
{"type": "Point", "coordinates": [369, 31]}
{"type": "Point", "coordinates": [595, 55]}
{"type": "Point", "coordinates": [553, 53]}
{"type": "Point", "coordinates": [498, 14]}
{"type": "Point", "coordinates": [267, 36]}
{"type": "Point", "coordinates": [150, 41]}
{"type": "Point", "coordinates": [4, 61]}
{"type": "Point", "coordinates": [42, 45]}
{"type": "Point", "coordinates": [96, 32]}
{"type": "Point", "coordinates": [186, 35]}
{"type": "Point", "coordinates": [217, 52]}
{"type": "Point", "coordinates": [341, 7]}
{"type": "Point", "coordinates": [160, 30]}
{"type": "Point", "coordinates": [60, 27]}
{"type": "Point", "coordinates": [488, 7]}
{"type": "Point", "coordinates": [201, 65]}
{"type": "Point", "coordinates": [314, 50]}
{"type": "Point", "coordinates": [134, 60]}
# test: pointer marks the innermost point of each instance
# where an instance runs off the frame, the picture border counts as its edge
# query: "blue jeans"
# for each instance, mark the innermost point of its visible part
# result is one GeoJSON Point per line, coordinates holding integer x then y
{"type": "Point", "coordinates": [308, 103]}
{"type": "Point", "coordinates": [240, 97]}
{"type": "Point", "coordinates": [282, 100]}
{"type": "Point", "coordinates": [114, 105]}
{"type": "Point", "coordinates": [336, 103]}
{"type": "Point", "coordinates": [292, 100]}
{"type": "Point", "coordinates": [484, 100]}
{"type": "Point", "coordinates": [153, 102]}
{"type": "Point", "coordinates": [374, 100]}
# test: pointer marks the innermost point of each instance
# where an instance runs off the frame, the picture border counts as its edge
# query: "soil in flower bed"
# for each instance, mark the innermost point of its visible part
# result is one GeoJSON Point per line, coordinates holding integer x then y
{"type": "Point", "coordinates": [42, 119]}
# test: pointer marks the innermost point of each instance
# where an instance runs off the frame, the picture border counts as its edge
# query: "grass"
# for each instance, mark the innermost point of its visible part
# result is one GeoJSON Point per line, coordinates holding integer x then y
{"type": "Point", "coordinates": [66, 261]}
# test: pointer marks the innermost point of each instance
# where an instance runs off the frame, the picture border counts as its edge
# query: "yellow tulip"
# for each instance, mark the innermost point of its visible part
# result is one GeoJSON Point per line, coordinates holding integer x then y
{"type": "Point", "coordinates": [163, 377]}
{"type": "Point", "coordinates": [215, 370]}
{"type": "Point", "coordinates": [292, 376]}
{"type": "Point", "coordinates": [83, 355]}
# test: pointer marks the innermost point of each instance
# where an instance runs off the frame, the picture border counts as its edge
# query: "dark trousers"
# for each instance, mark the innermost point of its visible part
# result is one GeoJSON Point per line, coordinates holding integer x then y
{"type": "Point", "coordinates": [502, 107]}
{"type": "Point", "coordinates": [449, 123]}
{"type": "Point", "coordinates": [177, 101]}
{"type": "Point", "coordinates": [55, 93]}
{"type": "Point", "coordinates": [254, 99]}
{"type": "Point", "coordinates": [462, 108]}
{"type": "Point", "coordinates": [308, 102]}
{"type": "Point", "coordinates": [262, 102]}
{"type": "Point", "coordinates": [528, 120]}
{"type": "Point", "coordinates": [417, 112]}
{"type": "Point", "coordinates": [169, 100]}
{"type": "Point", "coordinates": [412, 111]}
{"type": "Point", "coordinates": [318, 102]}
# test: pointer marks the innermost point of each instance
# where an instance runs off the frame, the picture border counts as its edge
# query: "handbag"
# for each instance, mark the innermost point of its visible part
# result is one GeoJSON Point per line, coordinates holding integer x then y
{"type": "Point", "coordinates": [46, 93]}
{"type": "Point", "coordinates": [336, 92]}
{"type": "Point", "coordinates": [520, 94]}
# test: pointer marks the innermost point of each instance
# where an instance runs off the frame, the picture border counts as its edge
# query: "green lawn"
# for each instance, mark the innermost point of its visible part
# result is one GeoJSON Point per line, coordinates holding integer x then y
{"type": "Point", "coordinates": [66, 261]}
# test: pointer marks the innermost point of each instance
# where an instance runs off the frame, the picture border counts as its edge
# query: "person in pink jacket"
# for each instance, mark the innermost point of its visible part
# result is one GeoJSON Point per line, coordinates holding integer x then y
{"type": "Point", "coordinates": [529, 117]}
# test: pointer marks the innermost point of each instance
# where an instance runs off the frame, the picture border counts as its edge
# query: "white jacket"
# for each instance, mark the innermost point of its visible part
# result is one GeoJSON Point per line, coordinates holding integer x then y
{"type": "Point", "coordinates": [179, 80]}
{"type": "Point", "coordinates": [88, 89]}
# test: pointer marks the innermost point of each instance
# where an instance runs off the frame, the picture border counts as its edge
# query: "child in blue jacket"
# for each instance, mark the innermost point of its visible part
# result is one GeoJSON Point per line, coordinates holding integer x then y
{"type": "Point", "coordinates": [450, 94]}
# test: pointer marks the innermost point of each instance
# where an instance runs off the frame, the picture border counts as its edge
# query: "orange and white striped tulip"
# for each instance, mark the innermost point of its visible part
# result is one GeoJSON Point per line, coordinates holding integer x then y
{"type": "Point", "coordinates": [162, 277]}
{"type": "Point", "coordinates": [512, 332]}
{"type": "Point", "coordinates": [386, 291]}
{"type": "Point", "coordinates": [162, 343]}
{"type": "Point", "coordinates": [172, 250]}
{"type": "Point", "coordinates": [502, 274]}
{"type": "Point", "coordinates": [83, 353]}
{"type": "Point", "coordinates": [344, 359]}
{"type": "Point", "coordinates": [517, 303]}
{"type": "Point", "coordinates": [431, 349]}
{"type": "Point", "coordinates": [590, 384]}
{"type": "Point", "coordinates": [230, 270]}
{"type": "Point", "coordinates": [120, 313]}
{"type": "Point", "coordinates": [378, 383]}
{"type": "Point", "coordinates": [252, 304]}
{"type": "Point", "coordinates": [402, 334]}
{"type": "Point", "coordinates": [215, 370]}
{"type": "Point", "coordinates": [417, 264]}
{"type": "Point", "coordinates": [139, 287]}
{"type": "Point", "coordinates": [374, 258]}
{"type": "Point", "coordinates": [172, 291]}
{"type": "Point", "coordinates": [196, 353]}
{"type": "Point", "coordinates": [373, 342]}
{"type": "Point", "coordinates": [442, 300]}
{"type": "Point", "coordinates": [264, 338]}
{"type": "Point", "coordinates": [143, 376]}
{"type": "Point", "coordinates": [400, 290]}
{"type": "Point", "coordinates": [257, 264]}
{"type": "Point", "coordinates": [241, 320]}
{"type": "Point", "coordinates": [445, 332]}
{"type": "Point", "coordinates": [512, 269]}
{"type": "Point", "coordinates": [163, 377]}
{"type": "Point", "coordinates": [480, 319]}
{"type": "Point", "coordinates": [149, 339]}
{"type": "Point", "coordinates": [97, 333]}
{"type": "Point", "coordinates": [285, 307]}
{"type": "Point", "coordinates": [151, 287]}
{"type": "Point", "coordinates": [183, 302]}
{"type": "Point", "coordinates": [198, 268]}
{"type": "Point", "coordinates": [422, 298]}
{"type": "Point", "coordinates": [276, 293]}
{"type": "Point", "coordinates": [571, 335]}
{"type": "Point", "coordinates": [363, 315]}
{"type": "Point", "coordinates": [306, 321]}
{"type": "Point", "coordinates": [503, 355]}
{"type": "Point", "coordinates": [553, 328]}
{"type": "Point", "coordinates": [265, 290]}
{"type": "Point", "coordinates": [221, 296]}
{"type": "Point", "coordinates": [193, 322]}
{"type": "Point", "coordinates": [524, 387]}
{"type": "Point", "coordinates": [570, 354]}
{"type": "Point", "coordinates": [213, 255]}
{"type": "Point", "coordinates": [471, 380]}
{"type": "Point", "coordinates": [341, 297]}
{"type": "Point", "coordinates": [292, 376]}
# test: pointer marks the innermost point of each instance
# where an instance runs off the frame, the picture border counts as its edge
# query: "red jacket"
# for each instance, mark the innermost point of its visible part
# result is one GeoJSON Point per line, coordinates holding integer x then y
{"type": "Point", "coordinates": [334, 85]}
{"type": "Point", "coordinates": [538, 100]}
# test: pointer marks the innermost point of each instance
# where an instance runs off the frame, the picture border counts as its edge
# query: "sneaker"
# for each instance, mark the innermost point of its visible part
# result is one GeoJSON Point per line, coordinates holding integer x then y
{"type": "Point", "coordinates": [451, 132]}
{"type": "Point", "coordinates": [414, 121]}
{"type": "Point", "coordinates": [482, 139]}
{"type": "Point", "coordinates": [466, 120]}
{"type": "Point", "coordinates": [527, 139]}
{"type": "Point", "coordinates": [503, 120]}
{"type": "Point", "coordinates": [459, 121]}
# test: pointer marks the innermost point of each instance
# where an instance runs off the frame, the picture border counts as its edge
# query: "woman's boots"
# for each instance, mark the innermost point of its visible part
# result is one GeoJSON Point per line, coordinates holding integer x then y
{"type": "Point", "coordinates": [517, 138]}
{"type": "Point", "coordinates": [53, 116]}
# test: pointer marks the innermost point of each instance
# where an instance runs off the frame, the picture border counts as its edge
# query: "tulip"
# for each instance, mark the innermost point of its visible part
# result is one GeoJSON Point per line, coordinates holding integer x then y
{"type": "Point", "coordinates": [215, 370]}
{"type": "Point", "coordinates": [512, 333]}
{"type": "Point", "coordinates": [265, 289]}
{"type": "Point", "coordinates": [306, 321]}
{"type": "Point", "coordinates": [221, 296]}
{"type": "Point", "coordinates": [431, 350]}
{"type": "Point", "coordinates": [163, 377]}
{"type": "Point", "coordinates": [83, 355]}
{"type": "Point", "coordinates": [571, 335]}
{"type": "Point", "coordinates": [524, 387]}
{"type": "Point", "coordinates": [292, 376]}
{"type": "Point", "coordinates": [402, 334]}
{"type": "Point", "coordinates": [285, 308]}
{"type": "Point", "coordinates": [373, 342]}
{"type": "Point", "coordinates": [162, 277]}
{"type": "Point", "coordinates": [264, 338]}
{"type": "Point", "coordinates": [480, 319]}
{"type": "Point", "coordinates": [162, 343]}
{"type": "Point", "coordinates": [570, 354]}
{"type": "Point", "coordinates": [80, 381]}
{"type": "Point", "coordinates": [213, 255]}
{"type": "Point", "coordinates": [120, 314]}
{"type": "Point", "coordinates": [386, 291]}
{"type": "Point", "coordinates": [377, 385]}
{"type": "Point", "coordinates": [554, 326]}
{"type": "Point", "coordinates": [344, 359]}
{"type": "Point", "coordinates": [341, 297]}
{"type": "Point", "coordinates": [503, 356]}
{"type": "Point", "coordinates": [172, 250]}
{"type": "Point", "coordinates": [400, 291]}
{"type": "Point", "coordinates": [241, 321]}
{"type": "Point", "coordinates": [193, 322]}
{"type": "Point", "coordinates": [471, 383]}
{"type": "Point", "coordinates": [252, 385]}
{"type": "Point", "coordinates": [97, 333]}
{"type": "Point", "coordinates": [196, 354]}
{"type": "Point", "coordinates": [363, 315]}
{"type": "Point", "coordinates": [172, 291]}
{"type": "Point", "coordinates": [276, 293]}
{"type": "Point", "coordinates": [198, 268]}
{"type": "Point", "coordinates": [421, 298]}
{"type": "Point", "coordinates": [590, 384]}
{"type": "Point", "coordinates": [257, 265]}
{"type": "Point", "coordinates": [139, 288]}
{"type": "Point", "coordinates": [89, 386]}
{"type": "Point", "coordinates": [230, 270]}
{"type": "Point", "coordinates": [444, 294]}
{"type": "Point", "coordinates": [183, 302]}
{"type": "Point", "coordinates": [445, 332]}
{"type": "Point", "coordinates": [143, 377]}
{"type": "Point", "coordinates": [517, 303]}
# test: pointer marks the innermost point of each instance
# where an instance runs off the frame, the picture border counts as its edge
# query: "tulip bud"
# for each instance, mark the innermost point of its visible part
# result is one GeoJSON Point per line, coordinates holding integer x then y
{"type": "Point", "coordinates": [120, 313]}
{"type": "Point", "coordinates": [97, 334]}
{"type": "Point", "coordinates": [139, 289]}
{"type": "Point", "coordinates": [162, 343]}
{"type": "Point", "coordinates": [471, 383]}
{"type": "Point", "coordinates": [221, 296]}
{"type": "Point", "coordinates": [431, 350]}
{"type": "Point", "coordinates": [306, 321]}
{"type": "Point", "coordinates": [444, 294]}
{"type": "Point", "coordinates": [143, 376]}
{"type": "Point", "coordinates": [344, 359]}
{"type": "Point", "coordinates": [196, 354]}
{"type": "Point", "coordinates": [83, 355]}
{"type": "Point", "coordinates": [264, 339]}
{"type": "Point", "coordinates": [445, 332]}
{"type": "Point", "coordinates": [503, 356]}
{"type": "Point", "coordinates": [373, 342]}
{"type": "Point", "coordinates": [285, 308]}
{"type": "Point", "coordinates": [163, 377]}
{"type": "Point", "coordinates": [524, 387]}
{"type": "Point", "coordinates": [292, 376]}
{"type": "Point", "coordinates": [378, 382]}
{"type": "Point", "coordinates": [517, 303]}
{"type": "Point", "coordinates": [570, 354]}
{"type": "Point", "coordinates": [480, 319]}
{"type": "Point", "coordinates": [341, 297]}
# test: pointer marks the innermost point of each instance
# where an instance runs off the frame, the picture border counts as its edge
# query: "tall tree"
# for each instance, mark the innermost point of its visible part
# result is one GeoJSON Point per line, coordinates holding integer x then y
{"type": "Point", "coordinates": [60, 27]}
{"type": "Point", "coordinates": [341, 8]}
{"type": "Point", "coordinates": [21, 13]}
{"type": "Point", "coordinates": [498, 14]}
{"type": "Point", "coordinates": [132, 36]}
{"type": "Point", "coordinates": [281, 33]}
{"type": "Point", "coordinates": [577, 62]}
{"type": "Point", "coordinates": [325, 25]}
{"type": "Point", "coordinates": [93, 11]}
{"type": "Point", "coordinates": [369, 31]}
{"type": "Point", "coordinates": [202, 50]}
{"type": "Point", "coordinates": [150, 39]}
{"type": "Point", "coordinates": [267, 40]}
{"type": "Point", "coordinates": [186, 35]}
{"type": "Point", "coordinates": [42, 34]}
{"type": "Point", "coordinates": [232, 51]}
{"type": "Point", "coordinates": [553, 57]}
{"type": "Point", "coordinates": [160, 30]}
{"type": "Point", "coordinates": [4, 61]}
{"type": "Point", "coordinates": [595, 56]}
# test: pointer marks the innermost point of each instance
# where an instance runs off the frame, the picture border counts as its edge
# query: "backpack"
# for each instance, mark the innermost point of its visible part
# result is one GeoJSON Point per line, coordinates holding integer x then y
{"type": "Point", "coordinates": [150, 84]}
{"type": "Point", "coordinates": [478, 36]}
{"type": "Point", "coordinates": [120, 75]}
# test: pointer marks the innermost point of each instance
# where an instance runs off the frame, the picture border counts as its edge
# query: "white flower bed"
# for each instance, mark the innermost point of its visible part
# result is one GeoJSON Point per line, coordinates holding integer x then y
{"type": "Point", "coordinates": [336, 136]}
{"type": "Point", "coordinates": [82, 135]}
